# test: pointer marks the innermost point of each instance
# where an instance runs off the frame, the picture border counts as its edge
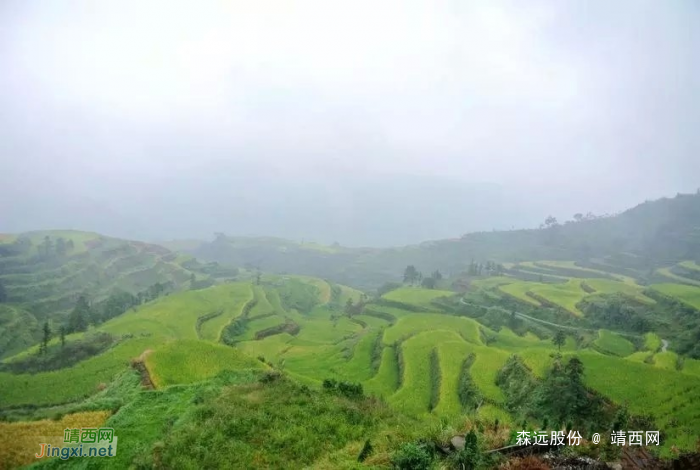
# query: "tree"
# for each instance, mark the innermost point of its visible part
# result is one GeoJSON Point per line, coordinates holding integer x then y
{"type": "Point", "coordinates": [437, 275]}
{"type": "Point", "coordinates": [79, 317]}
{"type": "Point", "coordinates": [429, 283]}
{"type": "Point", "coordinates": [559, 339]}
{"type": "Point", "coordinates": [550, 221]}
{"type": "Point", "coordinates": [3, 293]}
{"type": "Point", "coordinates": [410, 274]}
{"type": "Point", "coordinates": [46, 246]}
{"type": "Point", "coordinates": [473, 269]}
{"type": "Point", "coordinates": [63, 335]}
{"type": "Point", "coordinates": [45, 339]}
{"type": "Point", "coordinates": [387, 287]}
{"type": "Point", "coordinates": [60, 246]}
{"type": "Point", "coordinates": [578, 217]}
{"type": "Point", "coordinates": [348, 307]}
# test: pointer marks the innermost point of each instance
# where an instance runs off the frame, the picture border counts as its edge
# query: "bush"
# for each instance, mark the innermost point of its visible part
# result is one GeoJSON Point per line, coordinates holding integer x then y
{"type": "Point", "coordinates": [469, 457]}
{"type": "Point", "coordinates": [347, 389]}
{"type": "Point", "coordinates": [412, 456]}
{"type": "Point", "coordinates": [365, 452]}
{"type": "Point", "coordinates": [271, 376]}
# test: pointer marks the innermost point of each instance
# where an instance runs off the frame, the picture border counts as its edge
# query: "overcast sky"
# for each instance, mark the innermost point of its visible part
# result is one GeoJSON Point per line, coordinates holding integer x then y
{"type": "Point", "coordinates": [160, 119]}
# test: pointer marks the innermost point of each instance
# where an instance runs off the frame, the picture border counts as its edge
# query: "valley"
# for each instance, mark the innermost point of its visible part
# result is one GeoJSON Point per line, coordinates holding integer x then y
{"type": "Point", "coordinates": [419, 360]}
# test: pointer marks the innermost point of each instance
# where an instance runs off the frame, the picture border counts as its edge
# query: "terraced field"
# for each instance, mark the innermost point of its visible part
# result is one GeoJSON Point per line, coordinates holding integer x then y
{"type": "Point", "coordinates": [687, 294]}
{"type": "Point", "coordinates": [605, 286]}
{"type": "Point", "coordinates": [20, 439]}
{"type": "Point", "coordinates": [666, 273]}
{"type": "Point", "coordinates": [188, 361]}
{"type": "Point", "coordinates": [417, 297]}
{"type": "Point", "coordinates": [45, 279]}
{"type": "Point", "coordinates": [401, 350]}
{"type": "Point", "coordinates": [565, 295]}
{"type": "Point", "coordinates": [571, 269]}
{"type": "Point", "coordinates": [611, 343]}
{"type": "Point", "coordinates": [416, 366]}
{"type": "Point", "coordinates": [569, 294]}
{"type": "Point", "coordinates": [151, 326]}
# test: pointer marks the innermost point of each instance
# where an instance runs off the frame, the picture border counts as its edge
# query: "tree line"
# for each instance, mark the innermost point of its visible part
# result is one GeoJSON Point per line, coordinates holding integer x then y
{"type": "Point", "coordinates": [85, 313]}
{"type": "Point", "coordinates": [412, 276]}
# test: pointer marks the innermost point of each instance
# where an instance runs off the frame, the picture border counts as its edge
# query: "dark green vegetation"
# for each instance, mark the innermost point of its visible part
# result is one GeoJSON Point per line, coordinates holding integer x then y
{"type": "Point", "coordinates": [654, 235]}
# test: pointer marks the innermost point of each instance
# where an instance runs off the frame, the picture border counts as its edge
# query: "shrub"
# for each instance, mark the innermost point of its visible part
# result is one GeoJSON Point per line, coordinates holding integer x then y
{"type": "Point", "coordinates": [270, 376]}
{"type": "Point", "coordinates": [469, 457]}
{"type": "Point", "coordinates": [365, 452]}
{"type": "Point", "coordinates": [412, 456]}
{"type": "Point", "coordinates": [347, 389]}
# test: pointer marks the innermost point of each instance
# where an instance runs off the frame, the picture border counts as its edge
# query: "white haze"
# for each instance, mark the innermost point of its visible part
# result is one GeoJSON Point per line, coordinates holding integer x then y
{"type": "Point", "coordinates": [363, 122]}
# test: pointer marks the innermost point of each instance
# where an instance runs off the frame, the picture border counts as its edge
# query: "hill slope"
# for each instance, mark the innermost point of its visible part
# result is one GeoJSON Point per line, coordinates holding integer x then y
{"type": "Point", "coordinates": [43, 273]}
{"type": "Point", "coordinates": [652, 235]}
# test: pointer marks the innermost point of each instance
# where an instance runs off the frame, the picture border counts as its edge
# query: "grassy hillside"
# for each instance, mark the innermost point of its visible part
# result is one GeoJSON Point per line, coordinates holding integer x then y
{"type": "Point", "coordinates": [415, 358]}
{"type": "Point", "coordinates": [432, 356]}
{"type": "Point", "coordinates": [43, 273]}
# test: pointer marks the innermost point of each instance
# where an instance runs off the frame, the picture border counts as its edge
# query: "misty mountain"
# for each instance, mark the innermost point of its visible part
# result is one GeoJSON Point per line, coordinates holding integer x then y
{"type": "Point", "coordinates": [351, 209]}
{"type": "Point", "coordinates": [650, 235]}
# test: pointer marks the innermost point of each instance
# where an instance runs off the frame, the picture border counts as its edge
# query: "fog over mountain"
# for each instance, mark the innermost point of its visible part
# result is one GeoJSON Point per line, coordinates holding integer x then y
{"type": "Point", "coordinates": [365, 123]}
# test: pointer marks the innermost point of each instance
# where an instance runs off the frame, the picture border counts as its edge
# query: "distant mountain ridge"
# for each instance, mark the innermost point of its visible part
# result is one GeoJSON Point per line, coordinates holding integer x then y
{"type": "Point", "coordinates": [651, 235]}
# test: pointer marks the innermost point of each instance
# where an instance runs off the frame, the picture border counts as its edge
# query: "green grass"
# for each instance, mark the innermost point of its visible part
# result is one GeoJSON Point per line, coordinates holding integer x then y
{"type": "Point", "coordinates": [666, 360]}
{"type": "Point", "coordinates": [324, 289]}
{"type": "Point", "coordinates": [331, 345]}
{"type": "Point", "coordinates": [492, 282]}
{"type": "Point", "coordinates": [188, 361]}
{"type": "Point", "coordinates": [691, 366]}
{"type": "Point", "coordinates": [416, 296]}
{"type": "Point", "coordinates": [519, 291]}
{"type": "Point", "coordinates": [19, 330]}
{"type": "Point", "coordinates": [371, 321]}
{"type": "Point", "coordinates": [565, 295]}
{"type": "Point", "coordinates": [666, 272]}
{"type": "Point", "coordinates": [238, 295]}
{"type": "Point", "coordinates": [687, 294]}
{"type": "Point", "coordinates": [386, 381]}
{"type": "Point", "coordinates": [413, 397]}
{"type": "Point", "coordinates": [606, 286]}
{"type": "Point", "coordinates": [691, 265]}
{"type": "Point", "coordinates": [490, 413]}
{"type": "Point", "coordinates": [259, 324]}
{"type": "Point", "coordinates": [96, 264]}
{"type": "Point", "coordinates": [415, 323]}
{"type": "Point", "coordinates": [671, 397]}
{"type": "Point", "coordinates": [539, 360]}
{"type": "Point", "coordinates": [152, 325]}
{"type": "Point", "coordinates": [483, 371]}
{"type": "Point", "coordinates": [270, 348]}
{"type": "Point", "coordinates": [262, 305]}
{"type": "Point", "coordinates": [74, 383]}
{"type": "Point", "coordinates": [614, 344]}
{"type": "Point", "coordinates": [571, 265]}
{"type": "Point", "coordinates": [356, 369]}
{"type": "Point", "coordinates": [451, 353]}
